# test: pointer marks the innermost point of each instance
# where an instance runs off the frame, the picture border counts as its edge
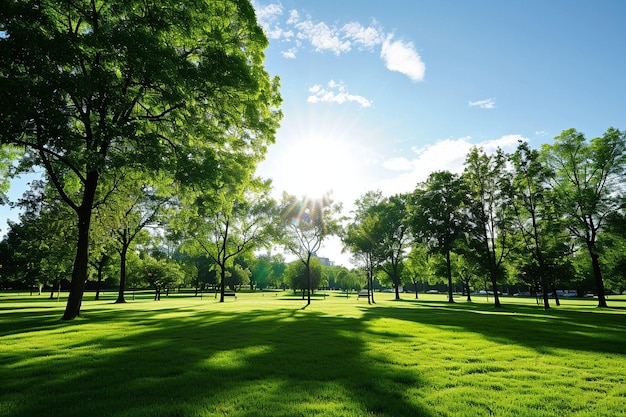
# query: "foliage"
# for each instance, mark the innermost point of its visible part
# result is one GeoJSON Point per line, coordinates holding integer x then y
{"type": "Point", "coordinates": [587, 187]}
{"type": "Point", "coordinates": [90, 87]}
{"type": "Point", "coordinates": [159, 274]}
{"type": "Point", "coordinates": [298, 276]}
{"type": "Point", "coordinates": [37, 250]}
{"type": "Point", "coordinates": [437, 215]}
{"type": "Point", "coordinates": [267, 271]}
{"type": "Point", "coordinates": [240, 223]}
{"type": "Point", "coordinates": [394, 220]}
{"type": "Point", "coordinates": [543, 243]}
{"type": "Point", "coordinates": [488, 185]}
{"type": "Point", "coordinates": [364, 235]}
{"type": "Point", "coordinates": [305, 223]}
{"type": "Point", "coordinates": [418, 267]}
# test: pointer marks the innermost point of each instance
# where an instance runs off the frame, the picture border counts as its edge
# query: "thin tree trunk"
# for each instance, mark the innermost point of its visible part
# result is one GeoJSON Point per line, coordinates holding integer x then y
{"type": "Point", "coordinates": [101, 265]}
{"type": "Point", "coordinates": [223, 282]}
{"type": "Point", "coordinates": [467, 288]}
{"type": "Point", "coordinates": [120, 294]}
{"type": "Point", "coordinates": [449, 272]}
{"type": "Point", "coordinates": [308, 278]}
{"type": "Point", "coordinates": [556, 296]}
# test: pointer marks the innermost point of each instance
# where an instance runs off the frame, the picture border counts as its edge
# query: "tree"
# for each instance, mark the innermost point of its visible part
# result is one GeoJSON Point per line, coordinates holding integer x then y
{"type": "Point", "coordinates": [40, 243]}
{"type": "Point", "coordinates": [418, 266]}
{"type": "Point", "coordinates": [490, 219]}
{"type": "Point", "coordinates": [364, 235]}
{"type": "Point", "coordinates": [305, 224]}
{"type": "Point", "coordinates": [536, 221]}
{"type": "Point", "coordinates": [299, 276]}
{"type": "Point", "coordinates": [267, 270]}
{"type": "Point", "coordinates": [160, 274]}
{"type": "Point", "coordinates": [436, 215]}
{"type": "Point", "coordinates": [348, 280]}
{"type": "Point", "coordinates": [394, 221]}
{"type": "Point", "coordinates": [136, 203]}
{"type": "Point", "coordinates": [90, 86]}
{"type": "Point", "coordinates": [243, 221]}
{"type": "Point", "coordinates": [587, 186]}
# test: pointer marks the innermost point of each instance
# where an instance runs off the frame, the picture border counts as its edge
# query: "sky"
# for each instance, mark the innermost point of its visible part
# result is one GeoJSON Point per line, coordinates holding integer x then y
{"type": "Point", "coordinates": [378, 94]}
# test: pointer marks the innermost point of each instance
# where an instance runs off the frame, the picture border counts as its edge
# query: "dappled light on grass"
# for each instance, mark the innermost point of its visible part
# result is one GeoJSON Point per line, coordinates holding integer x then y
{"type": "Point", "coordinates": [236, 358]}
{"type": "Point", "coordinates": [265, 356]}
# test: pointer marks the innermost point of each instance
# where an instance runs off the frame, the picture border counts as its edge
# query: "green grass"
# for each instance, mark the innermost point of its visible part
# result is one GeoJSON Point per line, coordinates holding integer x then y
{"type": "Point", "coordinates": [266, 355]}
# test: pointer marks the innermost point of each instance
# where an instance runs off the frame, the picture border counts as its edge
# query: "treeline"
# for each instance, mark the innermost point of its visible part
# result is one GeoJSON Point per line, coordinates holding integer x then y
{"type": "Point", "coordinates": [540, 220]}
{"type": "Point", "coordinates": [545, 219]}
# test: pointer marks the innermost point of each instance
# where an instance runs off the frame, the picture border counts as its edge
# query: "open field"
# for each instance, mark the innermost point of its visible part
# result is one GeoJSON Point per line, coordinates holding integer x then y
{"type": "Point", "coordinates": [266, 355]}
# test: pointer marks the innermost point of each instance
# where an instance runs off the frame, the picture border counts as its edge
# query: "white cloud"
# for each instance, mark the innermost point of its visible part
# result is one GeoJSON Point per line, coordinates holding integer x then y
{"type": "Point", "coordinates": [290, 53]}
{"type": "Point", "coordinates": [335, 93]}
{"type": "Point", "coordinates": [294, 17]}
{"type": "Point", "coordinates": [368, 37]}
{"type": "Point", "coordinates": [402, 57]}
{"type": "Point", "coordinates": [322, 37]}
{"type": "Point", "coordinates": [507, 143]}
{"type": "Point", "coordinates": [444, 155]}
{"type": "Point", "coordinates": [269, 19]}
{"type": "Point", "coordinates": [483, 104]}
{"type": "Point", "coordinates": [397, 55]}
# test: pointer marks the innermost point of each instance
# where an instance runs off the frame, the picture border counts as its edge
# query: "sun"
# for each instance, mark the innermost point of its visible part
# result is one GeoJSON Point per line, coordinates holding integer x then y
{"type": "Point", "coordinates": [313, 166]}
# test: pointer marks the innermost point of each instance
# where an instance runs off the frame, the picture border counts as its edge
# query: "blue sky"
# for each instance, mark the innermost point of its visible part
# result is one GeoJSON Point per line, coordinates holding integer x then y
{"type": "Point", "coordinates": [379, 94]}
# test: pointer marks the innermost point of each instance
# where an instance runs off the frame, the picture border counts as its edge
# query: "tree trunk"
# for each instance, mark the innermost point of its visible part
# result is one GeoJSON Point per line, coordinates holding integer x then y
{"type": "Point", "coordinates": [101, 264]}
{"type": "Point", "coordinates": [198, 283]}
{"type": "Point", "coordinates": [120, 294]}
{"type": "Point", "coordinates": [556, 296]}
{"type": "Point", "coordinates": [449, 272]}
{"type": "Point", "coordinates": [467, 288]}
{"type": "Point", "coordinates": [369, 285]}
{"type": "Point", "coordinates": [308, 278]}
{"type": "Point", "coordinates": [494, 283]}
{"type": "Point", "coordinates": [79, 271]}
{"type": "Point", "coordinates": [597, 274]}
{"type": "Point", "coordinates": [415, 286]}
{"type": "Point", "coordinates": [223, 282]}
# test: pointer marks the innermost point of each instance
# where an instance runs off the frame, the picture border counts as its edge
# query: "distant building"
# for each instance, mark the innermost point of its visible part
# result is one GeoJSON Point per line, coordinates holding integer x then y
{"type": "Point", "coordinates": [324, 261]}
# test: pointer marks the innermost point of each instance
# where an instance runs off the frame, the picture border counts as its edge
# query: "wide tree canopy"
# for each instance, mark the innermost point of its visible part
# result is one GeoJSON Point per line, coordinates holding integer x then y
{"type": "Point", "coordinates": [89, 86]}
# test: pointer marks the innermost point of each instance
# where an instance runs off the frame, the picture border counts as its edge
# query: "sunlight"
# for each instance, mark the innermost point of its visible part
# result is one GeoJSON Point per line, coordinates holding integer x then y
{"type": "Point", "coordinates": [313, 166]}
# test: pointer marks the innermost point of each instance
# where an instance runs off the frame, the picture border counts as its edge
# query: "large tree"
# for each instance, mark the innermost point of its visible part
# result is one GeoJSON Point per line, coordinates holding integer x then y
{"type": "Point", "coordinates": [587, 185]}
{"type": "Point", "coordinates": [437, 217]}
{"type": "Point", "coordinates": [89, 86]}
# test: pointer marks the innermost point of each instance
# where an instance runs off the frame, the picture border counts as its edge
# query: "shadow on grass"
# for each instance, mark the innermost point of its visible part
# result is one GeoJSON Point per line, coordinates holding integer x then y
{"type": "Point", "coordinates": [599, 330]}
{"type": "Point", "coordinates": [195, 363]}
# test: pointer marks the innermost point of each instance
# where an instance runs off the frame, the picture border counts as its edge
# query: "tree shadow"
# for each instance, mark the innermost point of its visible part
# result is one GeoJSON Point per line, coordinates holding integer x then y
{"type": "Point", "coordinates": [281, 362]}
{"type": "Point", "coordinates": [561, 328]}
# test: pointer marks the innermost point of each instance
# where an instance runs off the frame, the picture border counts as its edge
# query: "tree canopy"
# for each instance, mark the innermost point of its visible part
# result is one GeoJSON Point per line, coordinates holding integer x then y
{"type": "Point", "coordinates": [90, 86]}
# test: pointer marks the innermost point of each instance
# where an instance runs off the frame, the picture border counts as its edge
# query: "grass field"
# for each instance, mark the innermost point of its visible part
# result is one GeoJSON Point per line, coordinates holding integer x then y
{"type": "Point", "coordinates": [267, 355]}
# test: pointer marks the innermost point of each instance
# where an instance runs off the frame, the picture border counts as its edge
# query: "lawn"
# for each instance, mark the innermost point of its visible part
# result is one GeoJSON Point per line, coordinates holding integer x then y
{"type": "Point", "coordinates": [264, 354]}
